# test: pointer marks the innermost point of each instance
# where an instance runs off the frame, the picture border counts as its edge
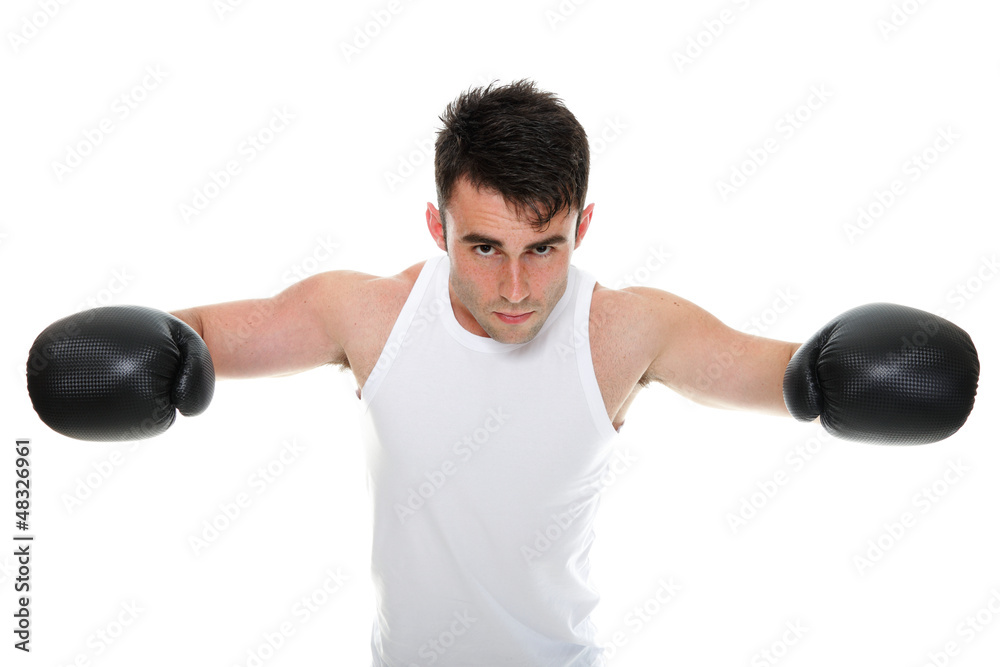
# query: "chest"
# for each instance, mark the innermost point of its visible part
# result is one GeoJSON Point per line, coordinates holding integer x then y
{"type": "Point", "coordinates": [619, 349]}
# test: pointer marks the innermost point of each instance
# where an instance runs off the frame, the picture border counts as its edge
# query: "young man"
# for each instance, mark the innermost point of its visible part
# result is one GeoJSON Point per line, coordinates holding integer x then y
{"type": "Point", "coordinates": [492, 380]}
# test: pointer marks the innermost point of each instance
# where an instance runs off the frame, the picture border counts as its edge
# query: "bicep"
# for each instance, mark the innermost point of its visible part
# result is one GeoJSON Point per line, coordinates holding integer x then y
{"type": "Point", "coordinates": [290, 332]}
{"type": "Point", "coordinates": [702, 358]}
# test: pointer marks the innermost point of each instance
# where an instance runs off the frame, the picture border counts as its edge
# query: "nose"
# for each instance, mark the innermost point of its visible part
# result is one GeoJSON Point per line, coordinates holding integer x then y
{"type": "Point", "coordinates": [514, 282]}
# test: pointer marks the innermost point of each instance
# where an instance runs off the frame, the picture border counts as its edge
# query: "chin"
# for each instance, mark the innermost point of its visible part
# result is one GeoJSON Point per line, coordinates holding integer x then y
{"type": "Point", "coordinates": [512, 336]}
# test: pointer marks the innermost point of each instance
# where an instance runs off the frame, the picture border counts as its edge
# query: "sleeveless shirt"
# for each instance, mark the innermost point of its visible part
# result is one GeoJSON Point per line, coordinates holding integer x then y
{"type": "Point", "coordinates": [484, 466]}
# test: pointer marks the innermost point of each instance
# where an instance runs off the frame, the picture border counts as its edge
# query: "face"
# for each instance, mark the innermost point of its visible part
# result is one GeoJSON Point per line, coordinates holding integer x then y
{"type": "Point", "coordinates": [501, 266]}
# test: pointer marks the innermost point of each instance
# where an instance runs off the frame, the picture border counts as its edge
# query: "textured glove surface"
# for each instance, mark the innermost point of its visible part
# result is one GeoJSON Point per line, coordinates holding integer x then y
{"type": "Point", "coordinates": [118, 373]}
{"type": "Point", "coordinates": [887, 374]}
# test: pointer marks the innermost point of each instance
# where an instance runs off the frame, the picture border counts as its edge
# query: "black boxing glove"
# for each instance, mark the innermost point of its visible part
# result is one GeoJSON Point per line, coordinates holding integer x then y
{"type": "Point", "coordinates": [118, 373]}
{"type": "Point", "coordinates": [885, 374]}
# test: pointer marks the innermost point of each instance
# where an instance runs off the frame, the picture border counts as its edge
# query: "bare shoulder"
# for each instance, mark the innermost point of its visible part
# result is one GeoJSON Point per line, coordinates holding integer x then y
{"type": "Point", "coordinates": [356, 292]}
{"type": "Point", "coordinates": [624, 308]}
{"type": "Point", "coordinates": [621, 322]}
{"type": "Point", "coordinates": [356, 300]}
{"type": "Point", "coordinates": [361, 309]}
{"type": "Point", "coordinates": [684, 347]}
{"type": "Point", "coordinates": [386, 293]}
{"type": "Point", "coordinates": [632, 309]}
{"type": "Point", "coordinates": [625, 317]}
{"type": "Point", "coordinates": [629, 327]}
{"type": "Point", "coordinates": [646, 308]}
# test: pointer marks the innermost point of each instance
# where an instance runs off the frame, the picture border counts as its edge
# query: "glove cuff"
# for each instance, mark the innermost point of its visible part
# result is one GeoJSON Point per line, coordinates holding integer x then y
{"type": "Point", "coordinates": [800, 387]}
{"type": "Point", "coordinates": [194, 385]}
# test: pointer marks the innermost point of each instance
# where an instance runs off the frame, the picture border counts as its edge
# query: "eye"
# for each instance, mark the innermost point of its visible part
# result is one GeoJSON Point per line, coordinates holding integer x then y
{"type": "Point", "coordinates": [476, 250]}
{"type": "Point", "coordinates": [548, 250]}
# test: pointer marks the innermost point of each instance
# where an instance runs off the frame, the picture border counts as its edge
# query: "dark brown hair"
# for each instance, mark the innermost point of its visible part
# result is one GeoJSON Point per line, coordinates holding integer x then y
{"type": "Point", "coordinates": [518, 141]}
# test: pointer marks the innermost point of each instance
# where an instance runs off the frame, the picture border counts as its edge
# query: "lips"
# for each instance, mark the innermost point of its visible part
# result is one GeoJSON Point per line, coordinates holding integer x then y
{"type": "Point", "coordinates": [514, 319]}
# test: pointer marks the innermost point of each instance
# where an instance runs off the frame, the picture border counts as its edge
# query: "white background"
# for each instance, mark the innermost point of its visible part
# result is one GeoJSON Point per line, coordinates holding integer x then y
{"type": "Point", "coordinates": [665, 134]}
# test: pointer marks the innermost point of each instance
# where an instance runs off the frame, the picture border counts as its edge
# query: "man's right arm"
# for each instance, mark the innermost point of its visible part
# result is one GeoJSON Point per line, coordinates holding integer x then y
{"type": "Point", "coordinates": [300, 328]}
{"type": "Point", "coordinates": [123, 372]}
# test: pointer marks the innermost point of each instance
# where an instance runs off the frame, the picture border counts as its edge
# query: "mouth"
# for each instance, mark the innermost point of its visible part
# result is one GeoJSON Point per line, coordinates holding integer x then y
{"type": "Point", "coordinates": [513, 319]}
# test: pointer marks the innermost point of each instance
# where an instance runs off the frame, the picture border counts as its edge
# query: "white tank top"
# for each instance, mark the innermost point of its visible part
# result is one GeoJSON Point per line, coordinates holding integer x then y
{"type": "Point", "coordinates": [484, 469]}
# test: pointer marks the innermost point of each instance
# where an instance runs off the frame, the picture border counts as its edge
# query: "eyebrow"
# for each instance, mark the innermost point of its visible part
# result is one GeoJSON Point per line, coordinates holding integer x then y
{"type": "Point", "coordinates": [480, 239]}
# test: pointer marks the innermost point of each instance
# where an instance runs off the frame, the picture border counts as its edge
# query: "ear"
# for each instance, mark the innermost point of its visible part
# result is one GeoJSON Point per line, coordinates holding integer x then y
{"type": "Point", "coordinates": [585, 218]}
{"type": "Point", "coordinates": [435, 227]}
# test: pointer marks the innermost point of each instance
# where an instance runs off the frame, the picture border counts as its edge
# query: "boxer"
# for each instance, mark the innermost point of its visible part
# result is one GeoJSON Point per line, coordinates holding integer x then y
{"type": "Point", "coordinates": [492, 379]}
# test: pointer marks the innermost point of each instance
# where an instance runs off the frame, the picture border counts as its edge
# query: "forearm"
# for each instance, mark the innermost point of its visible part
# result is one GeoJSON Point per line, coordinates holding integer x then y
{"type": "Point", "coordinates": [747, 374]}
{"type": "Point", "coordinates": [759, 375]}
{"type": "Point", "coordinates": [191, 317]}
{"type": "Point", "coordinates": [287, 333]}
{"type": "Point", "coordinates": [239, 336]}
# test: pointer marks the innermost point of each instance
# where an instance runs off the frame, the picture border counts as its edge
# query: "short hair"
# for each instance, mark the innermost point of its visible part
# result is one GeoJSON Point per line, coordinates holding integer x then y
{"type": "Point", "coordinates": [520, 142]}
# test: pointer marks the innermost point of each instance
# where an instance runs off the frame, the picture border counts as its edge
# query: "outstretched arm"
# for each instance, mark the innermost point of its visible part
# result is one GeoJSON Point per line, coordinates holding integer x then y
{"type": "Point", "coordinates": [709, 362]}
{"type": "Point", "coordinates": [122, 372]}
{"type": "Point", "coordinates": [298, 329]}
{"type": "Point", "coordinates": [881, 373]}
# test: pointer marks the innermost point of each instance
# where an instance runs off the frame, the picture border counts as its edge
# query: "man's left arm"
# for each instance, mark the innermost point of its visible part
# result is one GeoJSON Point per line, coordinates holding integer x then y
{"type": "Point", "coordinates": [881, 373]}
{"type": "Point", "coordinates": [700, 357]}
